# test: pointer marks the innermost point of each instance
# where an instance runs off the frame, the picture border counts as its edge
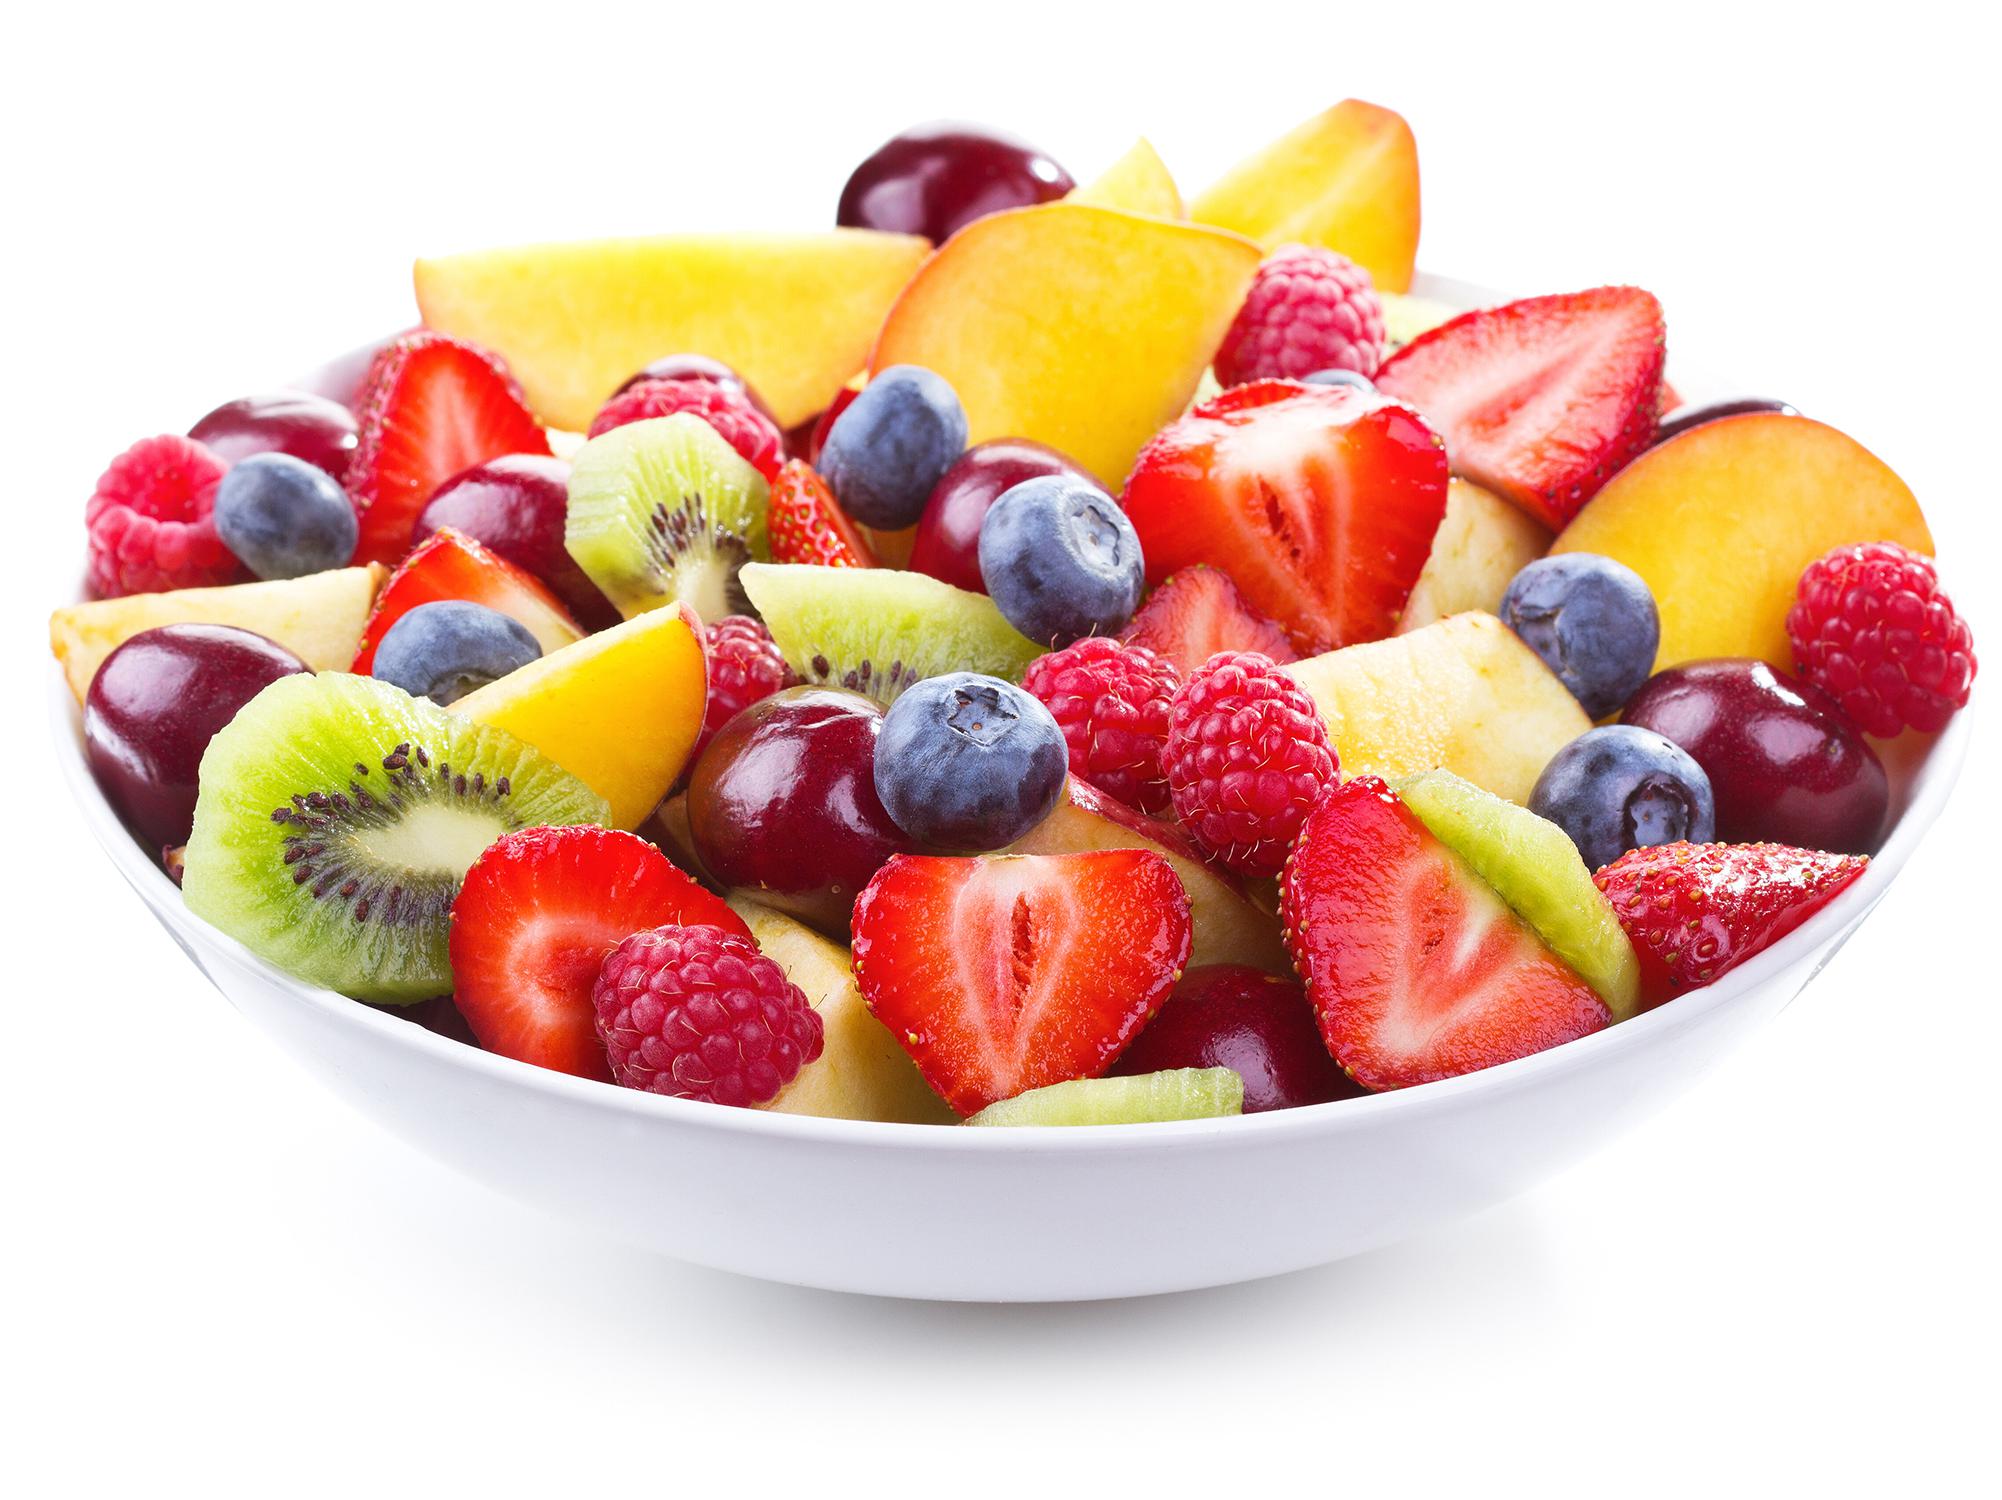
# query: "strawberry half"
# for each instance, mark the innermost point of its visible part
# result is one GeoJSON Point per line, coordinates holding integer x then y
{"type": "Point", "coordinates": [1541, 400]}
{"type": "Point", "coordinates": [1198, 613]}
{"type": "Point", "coordinates": [1319, 501]}
{"type": "Point", "coordinates": [431, 406]}
{"type": "Point", "coordinates": [448, 564]}
{"type": "Point", "coordinates": [1002, 975]}
{"type": "Point", "coordinates": [532, 924]}
{"type": "Point", "coordinates": [1697, 911]}
{"type": "Point", "coordinates": [805, 525]}
{"type": "Point", "coordinates": [1416, 969]}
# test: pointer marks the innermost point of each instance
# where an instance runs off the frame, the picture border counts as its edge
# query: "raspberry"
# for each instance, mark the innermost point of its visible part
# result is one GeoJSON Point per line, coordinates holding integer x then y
{"type": "Point", "coordinates": [1247, 758]}
{"type": "Point", "coordinates": [700, 1013]}
{"type": "Point", "coordinates": [724, 407]}
{"type": "Point", "coordinates": [151, 523]}
{"type": "Point", "coordinates": [1871, 628]}
{"type": "Point", "coordinates": [1111, 701]}
{"type": "Point", "coordinates": [1308, 309]}
{"type": "Point", "coordinates": [744, 668]}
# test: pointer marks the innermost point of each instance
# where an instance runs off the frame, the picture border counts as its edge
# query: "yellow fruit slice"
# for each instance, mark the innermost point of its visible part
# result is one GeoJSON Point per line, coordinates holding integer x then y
{"type": "Point", "coordinates": [1482, 542]}
{"type": "Point", "coordinates": [793, 314]}
{"type": "Point", "coordinates": [1138, 183]}
{"type": "Point", "coordinates": [318, 618]}
{"type": "Point", "coordinates": [619, 710]}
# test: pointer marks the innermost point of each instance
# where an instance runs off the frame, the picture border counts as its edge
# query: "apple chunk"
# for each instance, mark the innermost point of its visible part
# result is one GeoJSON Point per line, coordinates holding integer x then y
{"type": "Point", "coordinates": [1138, 183]}
{"type": "Point", "coordinates": [1481, 544]}
{"type": "Point", "coordinates": [1081, 327]}
{"type": "Point", "coordinates": [1722, 520]}
{"type": "Point", "coordinates": [792, 313]}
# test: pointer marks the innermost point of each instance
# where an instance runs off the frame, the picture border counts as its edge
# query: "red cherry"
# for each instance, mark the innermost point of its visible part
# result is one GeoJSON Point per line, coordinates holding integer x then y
{"type": "Point", "coordinates": [309, 427]}
{"type": "Point", "coordinates": [1262, 1028]}
{"type": "Point", "coordinates": [515, 505]}
{"type": "Point", "coordinates": [935, 178]}
{"type": "Point", "coordinates": [947, 545]}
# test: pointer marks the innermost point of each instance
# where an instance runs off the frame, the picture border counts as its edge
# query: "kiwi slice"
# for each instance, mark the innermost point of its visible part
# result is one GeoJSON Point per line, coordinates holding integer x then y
{"type": "Point", "coordinates": [1144, 1099]}
{"type": "Point", "coordinates": [1533, 866]}
{"type": "Point", "coordinates": [335, 818]}
{"type": "Point", "coordinates": [877, 631]}
{"type": "Point", "coordinates": [666, 511]}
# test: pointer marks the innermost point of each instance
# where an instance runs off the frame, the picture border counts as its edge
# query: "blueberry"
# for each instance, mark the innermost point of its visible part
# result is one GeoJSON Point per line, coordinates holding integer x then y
{"type": "Point", "coordinates": [445, 649]}
{"type": "Point", "coordinates": [1593, 622]}
{"type": "Point", "coordinates": [887, 451]}
{"type": "Point", "coordinates": [284, 517]}
{"type": "Point", "coordinates": [1618, 788]}
{"type": "Point", "coordinates": [966, 763]}
{"type": "Point", "coordinates": [1339, 377]}
{"type": "Point", "coordinates": [1060, 560]}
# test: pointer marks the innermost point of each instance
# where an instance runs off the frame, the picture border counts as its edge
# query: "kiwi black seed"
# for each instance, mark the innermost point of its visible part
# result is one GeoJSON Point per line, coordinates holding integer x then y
{"type": "Point", "coordinates": [336, 819]}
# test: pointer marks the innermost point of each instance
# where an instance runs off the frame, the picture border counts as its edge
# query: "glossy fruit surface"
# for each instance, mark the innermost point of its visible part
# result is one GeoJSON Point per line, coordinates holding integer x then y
{"type": "Point", "coordinates": [1620, 787]}
{"type": "Point", "coordinates": [1785, 763]}
{"type": "Point", "coordinates": [893, 444]}
{"type": "Point", "coordinates": [1198, 613]}
{"type": "Point", "coordinates": [936, 177]}
{"type": "Point", "coordinates": [967, 763]}
{"type": "Point", "coordinates": [309, 427]}
{"type": "Point", "coordinates": [1260, 1027]}
{"type": "Point", "coordinates": [947, 545]}
{"type": "Point", "coordinates": [153, 707]}
{"type": "Point", "coordinates": [1061, 561]}
{"type": "Point", "coordinates": [514, 506]}
{"type": "Point", "coordinates": [783, 804]}
{"type": "Point", "coordinates": [1678, 421]}
{"type": "Point", "coordinates": [284, 517]}
{"type": "Point", "coordinates": [447, 648]}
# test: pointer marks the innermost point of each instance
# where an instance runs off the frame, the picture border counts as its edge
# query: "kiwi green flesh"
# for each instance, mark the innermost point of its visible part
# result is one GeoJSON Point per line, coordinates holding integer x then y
{"type": "Point", "coordinates": [877, 631]}
{"type": "Point", "coordinates": [1536, 869]}
{"type": "Point", "coordinates": [336, 817]}
{"type": "Point", "coordinates": [665, 511]}
{"type": "Point", "coordinates": [1144, 1099]}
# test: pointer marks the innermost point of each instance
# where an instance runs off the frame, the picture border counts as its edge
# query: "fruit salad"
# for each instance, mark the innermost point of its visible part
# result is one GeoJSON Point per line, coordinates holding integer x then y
{"type": "Point", "coordinates": [1031, 654]}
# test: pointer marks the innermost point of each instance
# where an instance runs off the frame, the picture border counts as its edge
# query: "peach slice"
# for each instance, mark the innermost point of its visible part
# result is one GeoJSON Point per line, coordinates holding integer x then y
{"type": "Point", "coordinates": [1722, 520]}
{"type": "Point", "coordinates": [1081, 327]}
{"type": "Point", "coordinates": [1137, 183]}
{"type": "Point", "coordinates": [619, 710]}
{"type": "Point", "coordinates": [1346, 179]}
{"type": "Point", "coordinates": [792, 313]}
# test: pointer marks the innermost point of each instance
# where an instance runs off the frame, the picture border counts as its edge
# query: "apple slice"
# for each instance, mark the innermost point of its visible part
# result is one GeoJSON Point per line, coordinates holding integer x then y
{"type": "Point", "coordinates": [1138, 183]}
{"type": "Point", "coordinates": [1081, 327]}
{"type": "Point", "coordinates": [1722, 520]}
{"type": "Point", "coordinates": [1346, 179]}
{"type": "Point", "coordinates": [1481, 544]}
{"type": "Point", "coordinates": [792, 313]}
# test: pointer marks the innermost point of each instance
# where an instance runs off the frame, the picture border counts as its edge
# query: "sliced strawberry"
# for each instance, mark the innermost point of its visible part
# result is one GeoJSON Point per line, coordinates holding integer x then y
{"type": "Point", "coordinates": [1416, 968]}
{"type": "Point", "coordinates": [448, 564]}
{"type": "Point", "coordinates": [1000, 975]}
{"type": "Point", "coordinates": [1544, 399]}
{"type": "Point", "coordinates": [532, 924]}
{"type": "Point", "coordinates": [432, 405]}
{"type": "Point", "coordinates": [806, 526]}
{"type": "Point", "coordinates": [1319, 501]}
{"type": "Point", "coordinates": [1697, 911]}
{"type": "Point", "coordinates": [1198, 613]}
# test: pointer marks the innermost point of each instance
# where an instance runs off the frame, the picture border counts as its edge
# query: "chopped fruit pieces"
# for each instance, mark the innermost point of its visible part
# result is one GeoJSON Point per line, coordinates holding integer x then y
{"type": "Point", "coordinates": [1320, 502]}
{"type": "Point", "coordinates": [744, 668]}
{"type": "Point", "coordinates": [1308, 311]}
{"type": "Point", "coordinates": [451, 566]}
{"type": "Point", "coordinates": [727, 408]}
{"type": "Point", "coordinates": [1697, 911]}
{"type": "Point", "coordinates": [1542, 400]}
{"type": "Point", "coordinates": [1416, 968]}
{"type": "Point", "coordinates": [1111, 702]}
{"type": "Point", "coordinates": [1005, 974]}
{"type": "Point", "coordinates": [1138, 183]}
{"type": "Point", "coordinates": [539, 912]}
{"type": "Point", "coordinates": [151, 520]}
{"type": "Point", "coordinates": [1144, 1099]}
{"type": "Point", "coordinates": [1198, 613]}
{"type": "Point", "coordinates": [1481, 544]}
{"type": "Point", "coordinates": [1259, 1027]}
{"type": "Point", "coordinates": [805, 525]}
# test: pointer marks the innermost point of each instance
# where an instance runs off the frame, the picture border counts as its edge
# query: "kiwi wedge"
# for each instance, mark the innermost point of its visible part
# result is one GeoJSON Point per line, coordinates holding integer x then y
{"type": "Point", "coordinates": [665, 511]}
{"type": "Point", "coordinates": [876, 631]}
{"type": "Point", "coordinates": [1533, 866]}
{"type": "Point", "coordinates": [335, 818]}
{"type": "Point", "coordinates": [1143, 1099]}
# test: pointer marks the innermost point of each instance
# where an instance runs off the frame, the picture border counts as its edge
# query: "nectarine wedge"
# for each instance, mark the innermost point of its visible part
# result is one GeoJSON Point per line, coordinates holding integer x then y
{"type": "Point", "coordinates": [792, 313]}
{"type": "Point", "coordinates": [1138, 183]}
{"type": "Point", "coordinates": [1721, 521]}
{"type": "Point", "coordinates": [1346, 179]}
{"type": "Point", "coordinates": [1081, 327]}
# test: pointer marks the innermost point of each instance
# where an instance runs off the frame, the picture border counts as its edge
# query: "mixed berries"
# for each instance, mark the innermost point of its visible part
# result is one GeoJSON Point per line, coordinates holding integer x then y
{"type": "Point", "coordinates": [1406, 698]}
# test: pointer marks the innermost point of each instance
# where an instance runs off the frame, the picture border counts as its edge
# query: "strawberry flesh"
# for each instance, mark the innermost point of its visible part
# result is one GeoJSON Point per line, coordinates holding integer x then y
{"type": "Point", "coordinates": [1003, 975]}
{"type": "Point", "coordinates": [1542, 400]}
{"type": "Point", "coordinates": [1319, 502]}
{"type": "Point", "coordinates": [1198, 613]}
{"type": "Point", "coordinates": [805, 525]}
{"type": "Point", "coordinates": [1416, 969]}
{"type": "Point", "coordinates": [448, 564]}
{"type": "Point", "coordinates": [532, 924]}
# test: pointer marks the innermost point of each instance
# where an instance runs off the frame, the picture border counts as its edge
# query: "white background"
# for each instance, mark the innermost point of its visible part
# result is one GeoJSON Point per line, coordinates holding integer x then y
{"type": "Point", "coordinates": [215, 1272]}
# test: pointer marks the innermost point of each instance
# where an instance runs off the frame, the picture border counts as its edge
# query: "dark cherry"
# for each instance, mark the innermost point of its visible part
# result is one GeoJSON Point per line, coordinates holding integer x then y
{"type": "Point", "coordinates": [783, 804]}
{"type": "Point", "coordinates": [938, 177]}
{"type": "Point", "coordinates": [153, 708]}
{"type": "Point", "coordinates": [1228, 1016]}
{"type": "Point", "coordinates": [309, 427]}
{"type": "Point", "coordinates": [699, 367]}
{"type": "Point", "coordinates": [1785, 764]}
{"type": "Point", "coordinates": [515, 505]}
{"type": "Point", "coordinates": [1695, 414]}
{"type": "Point", "coordinates": [947, 545]}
